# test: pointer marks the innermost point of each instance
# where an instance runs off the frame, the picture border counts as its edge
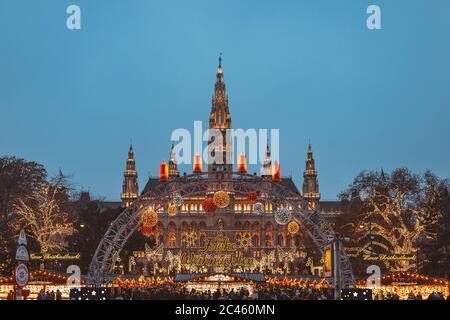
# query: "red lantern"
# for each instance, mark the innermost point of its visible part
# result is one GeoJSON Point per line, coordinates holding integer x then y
{"type": "Point", "coordinates": [197, 164]}
{"type": "Point", "coordinates": [252, 197]}
{"type": "Point", "coordinates": [163, 172]}
{"type": "Point", "coordinates": [276, 172]}
{"type": "Point", "coordinates": [209, 206]}
{"type": "Point", "coordinates": [242, 164]}
{"type": "Point", "coordinates": [146, 231]}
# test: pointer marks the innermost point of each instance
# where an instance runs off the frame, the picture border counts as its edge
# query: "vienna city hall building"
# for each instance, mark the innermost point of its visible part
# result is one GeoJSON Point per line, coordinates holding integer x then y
{"type": "Point", "coordinates": [218, 219]}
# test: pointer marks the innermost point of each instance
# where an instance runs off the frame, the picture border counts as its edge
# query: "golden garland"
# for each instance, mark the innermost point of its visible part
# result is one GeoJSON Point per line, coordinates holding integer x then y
{"type": "Point", "coordinates": [172, 210]}
{"type": "Point", "coordinates": [149, 218]}
{"type": "Point", "coordinates": [293, 227]}
{"type": "Point", "coordinates": [221, 199]}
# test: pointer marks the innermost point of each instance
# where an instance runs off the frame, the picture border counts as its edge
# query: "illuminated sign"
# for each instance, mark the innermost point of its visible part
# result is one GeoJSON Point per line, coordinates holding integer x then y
{"type": "Point", "coordinates": [389, 257]}
{"type": "Point", "coordinates": [218, 251]}
{"type": "Point", "coordinates": [39, 256]}
{"type": "Point", "coordinates": [328, 262]}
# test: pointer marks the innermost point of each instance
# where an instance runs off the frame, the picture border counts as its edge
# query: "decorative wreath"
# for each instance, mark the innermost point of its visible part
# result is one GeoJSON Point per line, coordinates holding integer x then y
{"type": "Point", "coordinates": [293, 227]}
{"type": "Point", "coordinates": [149, 218]}
{"type": "Point", "coordinates": [283, 216]}
{"type": "Point", "coordinates": [258, 208]}
{"type": "Point", "coordinates": [209, 205]}
{"type": "Point", "coordinates": [177, 200]}
{"type": "Point", "coordinates": [221, 199]}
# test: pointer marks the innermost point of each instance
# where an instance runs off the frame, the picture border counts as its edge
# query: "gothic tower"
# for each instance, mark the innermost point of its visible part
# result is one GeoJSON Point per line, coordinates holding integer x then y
{"type": "Point", "coordinates": [173, 168]}
{"type": "Point", "coordinates": [130, 190]}
{"type": "Point", "coordinates": [267, 166]}
{"type": "Point", "coordinates": [310, 183]}
{"type": "Point", "coordinates": [221, 164]}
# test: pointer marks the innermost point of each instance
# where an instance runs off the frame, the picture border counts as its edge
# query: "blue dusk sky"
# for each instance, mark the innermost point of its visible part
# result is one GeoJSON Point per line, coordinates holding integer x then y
{"type": "Point", "coordinates": [73, 100]}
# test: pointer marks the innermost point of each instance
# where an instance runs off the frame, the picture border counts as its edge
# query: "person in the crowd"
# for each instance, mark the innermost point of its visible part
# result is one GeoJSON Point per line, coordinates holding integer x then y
{"type": "Point", "coordinates": [11, 295]}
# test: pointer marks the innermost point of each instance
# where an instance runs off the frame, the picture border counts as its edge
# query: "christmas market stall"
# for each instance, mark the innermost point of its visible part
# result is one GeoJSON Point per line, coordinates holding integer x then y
{"type": "Point", "coordinates": [50, 282]}
{"type": "Point", "coordinates": [407, 285]}
{"type": "Point", "coordinates": [212, 282]}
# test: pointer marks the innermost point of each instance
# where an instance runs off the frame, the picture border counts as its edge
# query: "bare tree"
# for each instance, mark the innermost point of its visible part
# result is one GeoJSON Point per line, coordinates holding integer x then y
{"type": "Point", "coordinates": [393, 219]}
{"type": "Point", "coordinates": [45, 215]}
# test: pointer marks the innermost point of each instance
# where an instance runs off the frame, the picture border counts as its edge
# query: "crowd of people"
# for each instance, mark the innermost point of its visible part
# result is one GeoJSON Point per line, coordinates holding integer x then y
{"type": "Point", "coordinates": [42, 295]}
{"type": "Point", "coordinates": [260, 292]}
{"type": "Point", "coordinates": [49, 295]}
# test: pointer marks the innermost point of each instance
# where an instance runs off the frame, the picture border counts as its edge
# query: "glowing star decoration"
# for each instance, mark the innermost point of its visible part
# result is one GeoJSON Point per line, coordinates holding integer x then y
{"type": "Point", "coordinates": [258, 208]}
{"type": "Point", "coordinates": [287, 256]}
{"type": "Point", "coordinates": [154, 255]}
{"type": "Point", "coordinates": [177, 200]}
{"type": "Point", "coordinates": [174, 261]}
{"type": "Point", "coordinates": [283, 216]}
{"type": "Point", "coordinates": [172, 210]}
{"type": "Point", "coordinates": [245, 242]}
{"type": "Point", "coordinates": [267, 260]}
{"type": "Point", "coordinates": [293, 227]}
{"type": "Point", "coordinates": [221, 199]}
{"type": "Point", "coordinates": [149, 218]}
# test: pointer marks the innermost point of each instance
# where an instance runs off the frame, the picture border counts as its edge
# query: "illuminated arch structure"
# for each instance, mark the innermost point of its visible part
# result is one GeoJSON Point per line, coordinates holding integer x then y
{"type": "Point", "coordinates": [198, 185]}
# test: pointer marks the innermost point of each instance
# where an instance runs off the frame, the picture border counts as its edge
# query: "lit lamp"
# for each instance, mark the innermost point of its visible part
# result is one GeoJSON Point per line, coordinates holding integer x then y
{"type": "Point", "coordinates": [276, 172]}
{"type": "Point", "coordinates": [197, 164]}
{"type": "Point", "coordinates": [242, 163]}
{"type": "Point", "coordinates": [163, 172]}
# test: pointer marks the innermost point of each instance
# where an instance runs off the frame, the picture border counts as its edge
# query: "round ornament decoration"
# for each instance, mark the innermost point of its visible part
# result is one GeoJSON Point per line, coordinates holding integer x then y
{"type": "Point", "coordinates": [283, 216]}
{"type": "Point", "coordinates": [221, 199]}
{"type": "Point", "coordinates": [146, 231]}
{"type": "Point", "coordinates": [252, 197]}
{"type": "Point", "coordinates": [293, 227]}
{"type": "Point", "coordinates": [258, 208]}
{"type": "Point", "coordinates": [209, 206]}
{"type": "Point", "coordinates": [22, 275]}
{"type": "Point", "coordinates": [149, 218]}
{"type": "Point", "coordinates": [172, 210]}
{"type": "Point", "coordinates": [177, 200]}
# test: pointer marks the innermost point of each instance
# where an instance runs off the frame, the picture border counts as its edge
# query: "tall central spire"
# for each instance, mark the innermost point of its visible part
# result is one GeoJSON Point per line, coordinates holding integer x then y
{"type": "Point", "coordinates": [310, 182]}
{"type": "Point", "coordinates": [130, 187]}
{"type": "Point", "coordinates": [220, 117]}
{"type": "Point", "coordinates": [220, 166]}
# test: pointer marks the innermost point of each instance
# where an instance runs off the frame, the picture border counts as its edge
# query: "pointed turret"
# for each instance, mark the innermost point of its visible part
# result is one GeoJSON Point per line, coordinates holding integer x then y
{"type": "Point", "coordinates": [173, 168]}
{"type": "Point", "coordinates": [130, 189]}
{"type": "Point", "coordinates": [267, 166]}
{"type": "Point", "coordinates": [310, 183]}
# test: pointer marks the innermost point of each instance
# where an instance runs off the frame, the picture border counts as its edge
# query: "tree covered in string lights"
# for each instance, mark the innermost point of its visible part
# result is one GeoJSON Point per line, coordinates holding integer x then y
{"type": "Point", "coordinates": [44, 214]}
{"type": "Point", "coordinates": [18, 179]}
{"type": "Point", "coordinates": [434, 255]}
{"type": "Point", "coordinates": [392, 214]}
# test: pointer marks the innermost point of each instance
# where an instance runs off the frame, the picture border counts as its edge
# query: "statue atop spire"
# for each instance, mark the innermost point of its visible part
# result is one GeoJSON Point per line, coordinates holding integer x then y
{"type": "Point", "coordinates": [130, 189]}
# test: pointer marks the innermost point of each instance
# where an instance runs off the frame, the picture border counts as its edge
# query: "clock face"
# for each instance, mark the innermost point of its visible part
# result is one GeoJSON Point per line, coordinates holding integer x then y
{"type": "Point", "coordinates": [22, 275]}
